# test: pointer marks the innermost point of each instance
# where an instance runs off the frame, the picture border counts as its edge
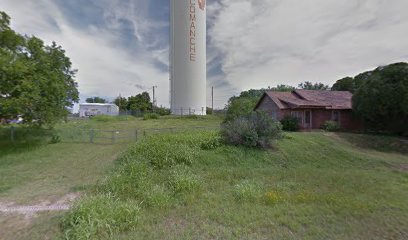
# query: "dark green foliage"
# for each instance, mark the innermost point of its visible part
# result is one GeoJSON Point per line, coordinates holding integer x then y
{"type": "Point", "coordinates": [140, 102]}
{"type": "Point", "coordinates": [290, 123]}
{"type": "Point", "coordinates": [209, 111]}
{"type": "Point", "coordinates": [36, 80]}
{"type": "Point", "coordinates": [55, 139]}
{"type": "Point", "coordinates": [283, 88]}
{"type": "Point", "coordinates": [162, 111]}
{"type": "Point", "coordinates": [313, 86]}
{"type": "Point", "coordinates": [382, 101]}
{"type": "Point", "coordinates": [240, 106]}
{"type": "Point", "coordinates": [331, 126]}
{"type": "Point", "coordinates": [136, 104]}
{"type": "Point", "coordinates": [95, 100]}
{"type": "Point", "coordinates": [122, 103]}
{"type": "Point", "coordinates": [148, 116]}
{"type": "Point", "coordinates": [254, 130]}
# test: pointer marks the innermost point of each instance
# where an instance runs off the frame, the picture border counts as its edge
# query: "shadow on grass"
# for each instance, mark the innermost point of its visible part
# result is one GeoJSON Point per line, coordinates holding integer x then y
{"type": "Point", "coordinates": [24, 139]}
{"type": "Point", "coordinates": [381, 143]}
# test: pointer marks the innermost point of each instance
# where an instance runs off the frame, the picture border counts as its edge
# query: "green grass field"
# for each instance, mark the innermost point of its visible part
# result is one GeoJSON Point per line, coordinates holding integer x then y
{"type": "Point", "coordinates": [309, 186]}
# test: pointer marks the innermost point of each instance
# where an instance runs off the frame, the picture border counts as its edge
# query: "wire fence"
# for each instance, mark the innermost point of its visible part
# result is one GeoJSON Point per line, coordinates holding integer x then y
{"type": "Point", "coordinates": [16, 135]}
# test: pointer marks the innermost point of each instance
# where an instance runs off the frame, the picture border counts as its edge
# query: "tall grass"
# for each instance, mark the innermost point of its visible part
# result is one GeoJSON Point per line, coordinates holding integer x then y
{"type": "Point", "coordinates": [154, 173]}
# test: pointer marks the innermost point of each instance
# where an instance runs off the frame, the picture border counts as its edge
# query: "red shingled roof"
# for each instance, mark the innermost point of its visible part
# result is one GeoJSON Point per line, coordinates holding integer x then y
{"type": "Point", "coordinates": [311, 99]}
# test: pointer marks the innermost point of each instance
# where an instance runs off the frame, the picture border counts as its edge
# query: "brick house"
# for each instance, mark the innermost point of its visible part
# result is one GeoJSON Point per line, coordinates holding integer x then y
{"type": "Point", "coordinates": [312, 107]}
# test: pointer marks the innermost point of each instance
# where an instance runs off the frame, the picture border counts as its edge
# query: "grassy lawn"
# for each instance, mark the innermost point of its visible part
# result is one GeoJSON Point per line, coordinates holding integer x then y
{"type": "Point", "coordinates": [311, 186]}
{"type": "Point", "coordinates": [34, 172]}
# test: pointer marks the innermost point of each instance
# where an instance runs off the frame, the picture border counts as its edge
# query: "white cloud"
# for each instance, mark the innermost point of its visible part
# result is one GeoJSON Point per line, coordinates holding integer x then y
{"type": "Point", "coordinates": [268, 42]}
{"type": "Point", "coordinates": [252, 43]}
{"type": "Point", "coordinates": [105, 67]}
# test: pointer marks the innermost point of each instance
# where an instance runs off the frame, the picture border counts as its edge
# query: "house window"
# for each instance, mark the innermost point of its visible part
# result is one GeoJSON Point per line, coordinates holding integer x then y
{"type": "Point", "coordinates": [298, 115]}
{"type": "Point", "coordinates": [336, 116]}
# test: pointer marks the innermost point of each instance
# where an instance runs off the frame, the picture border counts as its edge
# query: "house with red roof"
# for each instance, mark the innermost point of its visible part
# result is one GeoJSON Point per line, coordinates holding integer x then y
{"type": "Point", "coordinates": [312, 107]}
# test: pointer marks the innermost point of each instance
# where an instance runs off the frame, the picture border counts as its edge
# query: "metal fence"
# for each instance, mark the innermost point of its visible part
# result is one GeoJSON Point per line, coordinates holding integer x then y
{"type": "Point", "coordinates": [16, 135]}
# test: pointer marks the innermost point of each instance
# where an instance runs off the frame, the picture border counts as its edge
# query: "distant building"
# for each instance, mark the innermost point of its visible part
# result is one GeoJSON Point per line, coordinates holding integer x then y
{"type": "Point", "coordinates": [94, 109]}
{"type": "Point", "coordinates": [312, 107]}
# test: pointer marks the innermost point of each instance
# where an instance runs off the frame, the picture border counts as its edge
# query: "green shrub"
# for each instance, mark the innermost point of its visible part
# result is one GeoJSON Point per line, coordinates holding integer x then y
{"type": "Point", "coordinates": [183, 180]}
{"type": "Point", "coordinates": [55, 139]}
{"type": "Point", "coordinates": [209, 111]}
{"type": "Point", "coordinates": [247, 191]}
{"type": "Point", "coordinates": [131, 181]}
{"type": "Point", "coordinates": [99, 217]}
{"type": "Point", "coordinates": [290, 123]}
{"type": "Point", "coordinates": [161, 153]}
{"type": "Point", "coordinates": [148, 116]}
{"type": "Point", "coordinates": [162, 111]}
{"type": "Point", "coordinates": [331, 126]}
{"type": "Point", "coordinates": [210, 140]}
{"type": "Point", "coordinates": [254, 130]}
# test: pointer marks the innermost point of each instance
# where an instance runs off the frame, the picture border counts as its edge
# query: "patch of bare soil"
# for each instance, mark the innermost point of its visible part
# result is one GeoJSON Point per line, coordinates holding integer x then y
{"type": "Point", "coordinates": [29, 211]}
{"type": "Point", "coordinates": [403, 167]}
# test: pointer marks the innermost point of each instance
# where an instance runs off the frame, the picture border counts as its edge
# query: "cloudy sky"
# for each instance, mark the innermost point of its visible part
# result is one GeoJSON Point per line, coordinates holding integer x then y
{"type": "Point", "coordinates": [121, 46]}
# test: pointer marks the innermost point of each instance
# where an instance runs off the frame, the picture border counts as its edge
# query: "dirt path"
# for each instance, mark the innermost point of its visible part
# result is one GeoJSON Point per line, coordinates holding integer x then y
{"type": "Point", "coordinates": [28, 211]}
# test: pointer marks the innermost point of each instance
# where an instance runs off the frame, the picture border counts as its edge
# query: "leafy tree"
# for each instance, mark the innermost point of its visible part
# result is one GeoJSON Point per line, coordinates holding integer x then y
{"type": "Point", "coordinates": [283, 88]}
{"type": "Point", "coordinates": [382, 99]}
{"type": "Point", "coordinates": [140, 102]}
{"type": "Point", "coordinates": [313, 86]}
{"type": "Point", "coordinates": [245, 103]}
{"type": "Point", "coordinates": [36, 81]}
{"type": "Point", "coordinates": [95, 100]}
{"type": "Point", "coordinates": [350, 84]}
{"type": "Point", "coordinates": [122, 103]}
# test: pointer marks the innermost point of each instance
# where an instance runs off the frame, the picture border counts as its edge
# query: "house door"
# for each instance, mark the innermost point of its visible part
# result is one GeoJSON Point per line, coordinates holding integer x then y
{"type": "Point", "coordinates": [308, 119]}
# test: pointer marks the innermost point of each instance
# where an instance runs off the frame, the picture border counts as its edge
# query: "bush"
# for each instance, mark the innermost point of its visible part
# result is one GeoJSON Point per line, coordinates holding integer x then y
{"type": "Point", "coordinates": [162, 111]}
{"type": "Point", "coordinates": [99, 217]}
{"type": "Point", "coordinates": [254, 130]}
{"type": "Point", "coordinates": [161, 153]}
{"type": "Point", "coordinates": [55, 139]}
{"type": "Point", "coordinates": [290, 123]}
{"type": "Point", "coordinates": [209, 111]}
{"type": "Point", "coordinates": [331, 126]}
{"type": "Point", "coordinates": [148, 116]}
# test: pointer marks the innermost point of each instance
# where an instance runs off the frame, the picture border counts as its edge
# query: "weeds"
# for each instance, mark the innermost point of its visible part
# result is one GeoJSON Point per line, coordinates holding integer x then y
{"type": "Point", "coordinates": [183, 180]}
{"type": "Point", "coordinates": [99, 217]}
{"type": "Point", "coordinates": [247, 191]}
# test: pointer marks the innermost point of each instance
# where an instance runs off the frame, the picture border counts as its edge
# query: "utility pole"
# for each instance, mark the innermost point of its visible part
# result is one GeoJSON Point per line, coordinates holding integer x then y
{"type": "Point", "coordinates": [212, 99]}
{"type": "Point", "coordinates": [154, 98]}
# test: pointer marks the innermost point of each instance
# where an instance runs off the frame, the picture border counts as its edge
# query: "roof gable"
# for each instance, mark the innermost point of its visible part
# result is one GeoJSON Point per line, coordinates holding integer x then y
{"type": "Point", "coordinates": [311, 99]}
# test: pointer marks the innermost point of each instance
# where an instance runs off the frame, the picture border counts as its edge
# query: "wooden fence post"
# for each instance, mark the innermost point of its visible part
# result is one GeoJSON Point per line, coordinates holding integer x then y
{"type": "Point", "coordinates": [91, 136]}
{"type": "Point", "coordinates": [136, 134]}
{"type": "Point", "coordinates": [12, 134]}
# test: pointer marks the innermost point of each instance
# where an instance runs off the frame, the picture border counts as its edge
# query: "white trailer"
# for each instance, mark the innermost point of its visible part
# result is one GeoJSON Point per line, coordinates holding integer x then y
{"type": "Point", "coordinates": [94, 109]}
{"type": "Point", "coordinates": [188, 57]}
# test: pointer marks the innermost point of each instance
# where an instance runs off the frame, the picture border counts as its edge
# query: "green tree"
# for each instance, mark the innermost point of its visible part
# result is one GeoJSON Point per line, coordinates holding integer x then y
{"type": "Point", "coordinates": [140, 102]}
{"type": "Point", "coordinates": [36, 81]}
{"type": "Point", "coordinates": [313, 86]}
{"type": "Point", "coordinates": [382, 100]}
{"type": "Point", "coordinates": [350, 84]}
{"type": "Point", "coordinates": [122, 103]}
{"type": "Point", "coordinates": [95, 100]}
{"type": "Point", "coordinates": [283, 88]}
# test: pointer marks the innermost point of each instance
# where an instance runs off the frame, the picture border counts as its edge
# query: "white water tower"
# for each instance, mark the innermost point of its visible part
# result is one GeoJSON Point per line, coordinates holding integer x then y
{"type": "Point", "coordinates": [188, 57]}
